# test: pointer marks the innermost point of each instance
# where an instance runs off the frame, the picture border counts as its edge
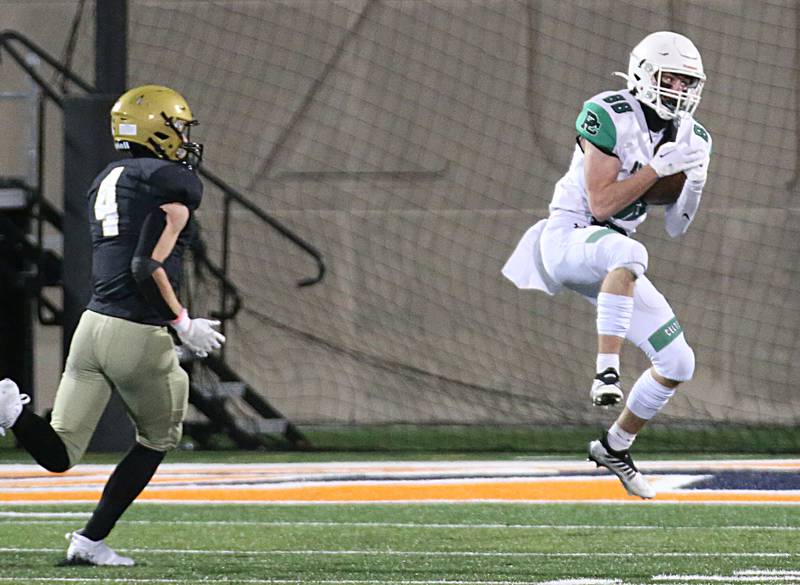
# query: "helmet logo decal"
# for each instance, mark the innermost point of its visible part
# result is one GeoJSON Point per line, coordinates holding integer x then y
{"type": "Point", "coordinates": [127, 129]}
{"type": "Point", "coordinates": [591, 123]}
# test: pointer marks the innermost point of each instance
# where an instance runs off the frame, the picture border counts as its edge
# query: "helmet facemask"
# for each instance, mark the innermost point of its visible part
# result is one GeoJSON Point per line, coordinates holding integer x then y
{"type": "Point", "coordinates": [651, 89]}
{"type": "Point", "coordinates": [189, 153]}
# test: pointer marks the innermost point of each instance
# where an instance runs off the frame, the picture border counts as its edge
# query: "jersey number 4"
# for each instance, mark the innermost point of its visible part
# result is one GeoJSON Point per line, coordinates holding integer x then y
{"type": "Point", "coordinates": [105, 205]}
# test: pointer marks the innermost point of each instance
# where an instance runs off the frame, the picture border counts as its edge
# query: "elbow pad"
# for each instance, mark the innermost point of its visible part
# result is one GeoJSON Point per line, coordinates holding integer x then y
{"type": "Point", "coordinates": [143, 268]}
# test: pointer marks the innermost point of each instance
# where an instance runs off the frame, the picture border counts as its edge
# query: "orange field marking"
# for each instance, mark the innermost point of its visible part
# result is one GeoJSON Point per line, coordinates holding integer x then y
{"type": "Point", "coordinates": [549, 481]}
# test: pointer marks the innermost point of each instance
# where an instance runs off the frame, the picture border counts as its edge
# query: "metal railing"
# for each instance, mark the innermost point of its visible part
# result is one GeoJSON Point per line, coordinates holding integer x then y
{"type": "Point", "coordinates": [46, 213]}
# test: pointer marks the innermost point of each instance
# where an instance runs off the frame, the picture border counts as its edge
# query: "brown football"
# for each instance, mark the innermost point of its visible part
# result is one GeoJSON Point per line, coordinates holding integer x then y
{"type": "Point", "coordinates": [665, 190]}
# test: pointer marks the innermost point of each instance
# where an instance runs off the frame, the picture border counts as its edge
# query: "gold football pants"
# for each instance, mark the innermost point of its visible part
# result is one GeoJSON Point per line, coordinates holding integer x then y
{"type": "Point", "coordinates": [140, 362]}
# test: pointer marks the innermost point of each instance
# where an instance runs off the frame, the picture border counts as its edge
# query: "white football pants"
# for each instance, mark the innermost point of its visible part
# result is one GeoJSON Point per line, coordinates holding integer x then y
{"type": "Point", "coordinates": [579, 258]}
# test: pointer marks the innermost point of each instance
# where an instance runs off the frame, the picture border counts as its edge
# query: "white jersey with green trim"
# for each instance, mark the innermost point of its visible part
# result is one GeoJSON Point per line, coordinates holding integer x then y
{"type": "Point", "coordinates": [614, 122]}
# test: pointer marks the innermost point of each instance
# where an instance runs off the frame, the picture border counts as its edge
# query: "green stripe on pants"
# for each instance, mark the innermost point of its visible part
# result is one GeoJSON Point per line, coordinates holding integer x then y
{"type": "Point", "coordinates": [665, 334]}
{"type": "Point", "coordinates": [599, 234]}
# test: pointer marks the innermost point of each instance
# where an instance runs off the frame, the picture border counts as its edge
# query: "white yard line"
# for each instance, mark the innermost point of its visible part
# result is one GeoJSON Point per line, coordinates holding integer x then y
{"type": "Point", "coordinates": [410, 467]}
{"type": "Point", "coordinates": [726, 578]}
{"type": "Point", "coordinates": [767, 572]}
{"type": "Point", "coordinates": [415, 553]}
{"type": "Point", "coordinates": [65, 517]}
{"type": "Point", "coordinates": [315, 581]}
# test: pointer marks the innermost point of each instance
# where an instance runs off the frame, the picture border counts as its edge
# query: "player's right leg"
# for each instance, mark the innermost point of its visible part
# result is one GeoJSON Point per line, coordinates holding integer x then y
{"type": "Point", "coordinates": [614, 310]}
{"type": "Point", "coordinates": [603, 265]}
{"type": "Point", "coordinates": [80, 400]}
{"type": "Point", "coordinates": [625, 261]}
{"type": "Point", "coordinates": [11, 403]}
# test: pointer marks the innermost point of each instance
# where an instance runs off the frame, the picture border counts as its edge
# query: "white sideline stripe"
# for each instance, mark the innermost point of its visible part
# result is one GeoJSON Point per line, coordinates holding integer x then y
{"type": "Point", "coordinates": [582, 581]}
{"type": "Point", "coordinates": [510, 466]}
{"type": "Point", "coordinates": [767, 572]}
{"type": "Point", "coordinates": [415, 553]}
{"type": "Point", "coordinates": [318, 581]}
{"type": "Point", "coordinates": [727, 579]}
{"type": "Point", "coordinates": [45, 514]}
{"type": "Point", "coordinates": [64, 517]}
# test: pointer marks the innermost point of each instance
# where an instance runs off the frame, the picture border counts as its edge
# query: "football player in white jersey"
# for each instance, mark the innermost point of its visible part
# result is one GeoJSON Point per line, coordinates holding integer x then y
{"type": "Point", "coordinates": [627, 140]}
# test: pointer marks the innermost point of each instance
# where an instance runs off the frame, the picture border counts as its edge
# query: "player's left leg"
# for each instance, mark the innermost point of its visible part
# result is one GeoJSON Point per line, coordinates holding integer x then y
{"type": "Point", "coordinates": [656, 331]}
{"type": "Point", "coordinates": [142, 363]}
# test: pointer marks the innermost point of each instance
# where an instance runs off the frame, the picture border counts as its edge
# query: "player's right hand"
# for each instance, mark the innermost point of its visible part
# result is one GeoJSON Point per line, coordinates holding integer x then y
{"type": "Point", "coordinates": [675, 157]}
{"type": "Point", "coordinates": [198, 335]}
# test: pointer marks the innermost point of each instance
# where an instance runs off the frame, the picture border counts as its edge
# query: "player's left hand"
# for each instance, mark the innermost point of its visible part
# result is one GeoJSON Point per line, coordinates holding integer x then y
{"type": "Point", "coordinates": [199, 334]}
{"type": "Point", "coordinates": [685, 134]}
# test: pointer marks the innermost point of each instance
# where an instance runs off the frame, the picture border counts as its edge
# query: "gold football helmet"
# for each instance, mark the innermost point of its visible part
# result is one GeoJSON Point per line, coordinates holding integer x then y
{"type": "Point", "coordinates": [157, 118]}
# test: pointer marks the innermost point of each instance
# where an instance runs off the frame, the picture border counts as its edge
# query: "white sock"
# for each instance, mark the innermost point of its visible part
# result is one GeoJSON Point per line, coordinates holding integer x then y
{"type": "Point", "coordinates": [607, 360]}
{"type": "Point", "coordinates": [647, 396]}
{"type": "Point", "coordinates": [614, 314]}
{"type": "Point", "coordinates": [619, 439]}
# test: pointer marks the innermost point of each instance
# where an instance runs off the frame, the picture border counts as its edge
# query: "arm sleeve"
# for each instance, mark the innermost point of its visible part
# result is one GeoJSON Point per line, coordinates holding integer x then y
{"type": "Point", "coordinates": [679, 215]}
{"type": "Point", "coordinates": [175, 183]}
{"type": "Point", "coordinates": [143, 266]}
{"type": "Point", "coordinates": [595, 125]}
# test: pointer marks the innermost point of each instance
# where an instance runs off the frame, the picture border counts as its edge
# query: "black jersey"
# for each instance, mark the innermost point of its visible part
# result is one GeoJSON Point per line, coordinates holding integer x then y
{"type": "Point", "coordinates": [120, 199]}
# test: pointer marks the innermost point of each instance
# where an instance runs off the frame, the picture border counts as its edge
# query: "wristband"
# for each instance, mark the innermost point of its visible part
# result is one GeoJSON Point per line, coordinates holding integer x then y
{"type": "Point", "coordinates": [183, 322]}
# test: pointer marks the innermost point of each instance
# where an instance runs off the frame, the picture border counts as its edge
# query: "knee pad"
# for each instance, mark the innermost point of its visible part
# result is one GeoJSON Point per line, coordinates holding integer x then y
{"type": "Point", "coordinates": [166, 440]}
{"type": "Point", "coordinates": [632, 256]}
{"type": "Point", "coordinates": [675, 361]}
{"type": "Point", "coordinates": [648, 397]}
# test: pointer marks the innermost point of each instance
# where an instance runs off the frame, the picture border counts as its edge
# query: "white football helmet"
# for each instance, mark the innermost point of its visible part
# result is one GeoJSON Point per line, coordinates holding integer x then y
{"type": "Point", "coordinates": [665, 52]}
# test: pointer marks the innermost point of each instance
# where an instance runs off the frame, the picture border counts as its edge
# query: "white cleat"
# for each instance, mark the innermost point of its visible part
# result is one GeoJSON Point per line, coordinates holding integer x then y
{"type": "Point", "coordinates": [620, 464]}
{"type": "Point", "coordinates": [606, 389]}
{"type": "Point", "coordinates": [11, 402]}
{"type": "Point", "coordinates": [83, 551]}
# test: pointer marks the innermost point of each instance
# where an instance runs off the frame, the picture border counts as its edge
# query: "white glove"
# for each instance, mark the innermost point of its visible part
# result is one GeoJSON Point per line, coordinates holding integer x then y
{"type": "Point", "coordinates": [676, 157]}
{"type": "Point", "coordinates": [686, 136]}
{"type": "Point", "coordinates": [198, 334]}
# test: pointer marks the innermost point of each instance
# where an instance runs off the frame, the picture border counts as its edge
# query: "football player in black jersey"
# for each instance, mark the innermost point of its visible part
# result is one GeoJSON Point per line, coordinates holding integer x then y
{"type": "Point", "coordinates": [139, 212]}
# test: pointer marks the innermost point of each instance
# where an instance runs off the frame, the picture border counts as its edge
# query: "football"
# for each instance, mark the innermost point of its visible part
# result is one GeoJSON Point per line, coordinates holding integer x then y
{"type": "Point", "coordinates": [666, 190]}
